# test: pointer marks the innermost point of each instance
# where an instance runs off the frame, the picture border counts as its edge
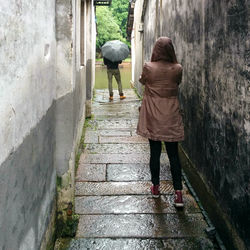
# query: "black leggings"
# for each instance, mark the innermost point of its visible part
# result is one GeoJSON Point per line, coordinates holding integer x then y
{"type": "Point", "coordinates": [175, 166]}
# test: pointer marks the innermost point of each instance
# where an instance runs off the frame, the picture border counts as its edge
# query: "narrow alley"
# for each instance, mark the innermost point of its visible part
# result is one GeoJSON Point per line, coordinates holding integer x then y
{"type": "Point", "coordinates": [112, 192]}
{"type": "Point", "coordinates": [52, 174]}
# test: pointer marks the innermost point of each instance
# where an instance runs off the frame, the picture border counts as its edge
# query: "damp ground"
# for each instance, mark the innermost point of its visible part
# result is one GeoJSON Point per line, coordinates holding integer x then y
{"type": "Point", "coordinates": [112, 189]}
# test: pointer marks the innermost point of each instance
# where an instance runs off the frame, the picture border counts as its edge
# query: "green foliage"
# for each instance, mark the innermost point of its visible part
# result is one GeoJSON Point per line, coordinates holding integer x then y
{"type": "Point", "coordinates": [137, 93]}
{"type": "Point", "coordinates": [119, 9]}
{"type": "Point", "coordinates": [67, 228]}
{"type": "Point", "coordinates": [107, 27]}
{"type": "Point", "coordinates": [58, 181]}
{"type": "Point", "coordinates": [61, 244]}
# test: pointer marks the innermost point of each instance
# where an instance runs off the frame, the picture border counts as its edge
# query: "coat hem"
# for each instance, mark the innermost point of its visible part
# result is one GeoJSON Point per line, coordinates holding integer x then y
{"type": "Point", "coordinates": [160, 138]}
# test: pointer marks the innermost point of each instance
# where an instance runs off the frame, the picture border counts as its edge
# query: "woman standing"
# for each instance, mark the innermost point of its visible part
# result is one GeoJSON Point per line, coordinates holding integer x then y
{"type": "Point", "coordinates": [160, 118]}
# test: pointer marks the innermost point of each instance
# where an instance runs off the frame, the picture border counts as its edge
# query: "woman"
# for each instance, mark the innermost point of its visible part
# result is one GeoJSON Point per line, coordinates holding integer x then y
{"type": "Point", "coordinates": [160, 118]}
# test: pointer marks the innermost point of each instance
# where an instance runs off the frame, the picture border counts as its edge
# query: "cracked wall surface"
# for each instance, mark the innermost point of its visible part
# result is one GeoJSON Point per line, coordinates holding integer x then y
{"type": "Point", "coordinates": [42, 111]}
{"type": "Point", "coordinates": [211, 42]}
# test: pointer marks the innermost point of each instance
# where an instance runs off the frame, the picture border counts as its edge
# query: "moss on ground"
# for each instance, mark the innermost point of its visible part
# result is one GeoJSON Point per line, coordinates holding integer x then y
{"type": "Point", "coordinates": [82, 145]}
{"type": "Point", "coordinates": [61, 244]}
{"type": "Point", "coordinates": [137, 93]}
{"type": "Point", "coordinates": [67, 229]}
{"type": "Point", "coordinates": [58, 181]}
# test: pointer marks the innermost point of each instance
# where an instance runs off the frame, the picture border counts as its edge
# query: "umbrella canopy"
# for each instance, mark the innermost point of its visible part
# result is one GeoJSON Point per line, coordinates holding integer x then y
{"type": "Point", "coordinates": [115, 50]}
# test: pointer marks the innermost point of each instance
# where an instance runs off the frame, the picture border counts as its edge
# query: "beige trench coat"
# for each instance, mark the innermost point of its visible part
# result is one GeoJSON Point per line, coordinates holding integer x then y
{"type": "Point", "coordinates": [160, 118]}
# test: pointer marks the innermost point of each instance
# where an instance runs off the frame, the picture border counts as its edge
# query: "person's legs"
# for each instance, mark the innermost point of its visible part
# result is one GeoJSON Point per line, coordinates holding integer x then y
{"type": "Point", "coordinates": [155, 154]}
{"type": "Point", "coordinates": [118, 80]}
{"type": "Point", "coordinates": [175, 166]}
{"type": "Point", "coordinates": [110, 74]}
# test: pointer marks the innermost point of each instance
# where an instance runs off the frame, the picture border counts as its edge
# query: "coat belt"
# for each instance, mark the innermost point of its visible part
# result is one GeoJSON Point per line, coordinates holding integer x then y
{"type": "Point", "coordinates": [163, 93]}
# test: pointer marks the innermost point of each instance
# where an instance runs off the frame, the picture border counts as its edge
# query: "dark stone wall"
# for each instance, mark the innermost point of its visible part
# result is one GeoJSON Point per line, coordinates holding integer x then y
{"type": "Point", "coordinates": [212, 43]}
{"type": "Point", "coordinates": [27, 188]}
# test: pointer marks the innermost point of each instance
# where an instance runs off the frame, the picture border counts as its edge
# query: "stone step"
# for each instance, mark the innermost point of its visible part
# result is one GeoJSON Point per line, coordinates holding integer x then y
{"type": "Point", "coordinates": [112, 190]}
{"type": "Point", "coordinates": [135, 172]}
{"type": "Point", "coordinates": [116, 148]}
{"type": "Point", "coordinates": [118, 172]}
{"type": "Point", "coordinates": [120, 188]}
{"type": "Point", "coordinates": [125, 204]}
{"type": "Point", "coordinates": [91, 172]}
{"type": "Point", "coordinates": [141, 225]}
{"type": "Point", "coordinates": [124, 123]}
{"type": "Point", "coordinates": [118, 158]}
{"type": "Point", "coordinates": [139, 244]}
{"type": "Point", "coordinates": [124, 139]}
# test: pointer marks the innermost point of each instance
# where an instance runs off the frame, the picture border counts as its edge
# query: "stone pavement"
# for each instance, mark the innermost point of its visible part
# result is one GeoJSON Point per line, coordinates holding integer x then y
{"type": "Point", "coordinates": [112, 192]}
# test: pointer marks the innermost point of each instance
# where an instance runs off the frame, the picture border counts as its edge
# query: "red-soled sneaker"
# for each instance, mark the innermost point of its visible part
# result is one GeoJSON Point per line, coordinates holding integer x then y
{"type": "Point", "coordinates": [178, 201]}
{"type": "Point", "coordinates": [155, 191]}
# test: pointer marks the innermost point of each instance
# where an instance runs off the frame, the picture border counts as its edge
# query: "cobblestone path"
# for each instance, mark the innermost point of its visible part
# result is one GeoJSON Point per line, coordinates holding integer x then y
{"type": "Point", "coordinates": [112, 193]}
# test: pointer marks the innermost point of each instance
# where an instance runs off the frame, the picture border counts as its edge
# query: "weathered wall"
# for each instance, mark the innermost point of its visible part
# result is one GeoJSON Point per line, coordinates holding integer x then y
{"type": "Point", "coordinates": [27, 130]}
{"type": "Point", "coordinates": [90, 55]}
{"type": "Point", "coordinates": [137, 46]}
{"type": "Point", "coordinates": [211, 41]}
{"type": "Point", "coordinates": [42, 111]}
{"type": "Point", "coordinates": [74, 84]}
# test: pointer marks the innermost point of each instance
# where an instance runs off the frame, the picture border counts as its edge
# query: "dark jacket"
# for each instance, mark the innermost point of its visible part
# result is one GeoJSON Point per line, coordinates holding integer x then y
{"type": "Point", "coordinates": [110, 64]}
{"type": "Point", "coordinates": [160, 117]}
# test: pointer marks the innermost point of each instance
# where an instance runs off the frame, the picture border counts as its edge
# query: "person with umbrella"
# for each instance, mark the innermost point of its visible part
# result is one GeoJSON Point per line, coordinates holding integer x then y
{"type": "Point", "coordinates": [113, 53]}
{"type": "Point", "coordinates": [113, 70]}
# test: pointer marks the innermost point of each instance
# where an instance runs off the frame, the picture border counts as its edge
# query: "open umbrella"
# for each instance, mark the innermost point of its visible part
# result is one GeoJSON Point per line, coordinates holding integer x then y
{"type": "Point", "coordinates": [115, 50]}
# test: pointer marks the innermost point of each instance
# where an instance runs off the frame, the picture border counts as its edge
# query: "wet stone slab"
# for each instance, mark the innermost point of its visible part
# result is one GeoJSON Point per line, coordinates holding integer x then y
{"type": "Point", "coordinates": [91, 172]}
{"type": "Point", "coordinates": [134, 123]}
{"type": "Point", "coordinates": [91, 137]}
{"type": "Point", "coordinates": [112, 188]}
{"type": "Point", "coordinates": [114, 124]}
{"type": "Point", "coordinates": [116, 111]}
{"type": "Point", "coordinates": [96, 136]}
{"type": "Point", "coordinates": [119, 188]}
{"type": "Point", "coordinates": [91, 125]}
{"type": "Point", "coordinates": [117, 148]}
{"type": "Point", "coordinates": [129, 103]}
{"type": "Point", "coordinates": [142, 225]}
{"type": "Point", "coordinates": [117, 115]}
{"type": "Point", "coordinates": [116, 133]}
{"type": "Point", "coordinates": [128, 204]}
{"type": "Point", "coordinates": [127, 139]}
{"type": "Point", "coordinates": [121, 106]}
{"type": "Point", "coordinates": [119, 158]}
{"type": "Point", "coordinates": [103, 99]}
{"type": "Point", "coordinates": [139, 244]}
{"type": "Point", "coordinates": [135, 172]}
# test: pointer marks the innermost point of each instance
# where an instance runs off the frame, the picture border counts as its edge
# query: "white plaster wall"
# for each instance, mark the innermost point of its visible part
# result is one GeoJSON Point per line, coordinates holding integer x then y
{"type": "Point", "coordinates": [27, 73]}
{"type": "Point", "coordinates": [137, 46]}
{"type": "Point", "coordinates": [42, 110]}
{"type": "Point", "coordinates": [93, 44]}
{"type": "Point", "coordinates": [64, 21]}
{"type": "Point", "coordinates": [74, 77]}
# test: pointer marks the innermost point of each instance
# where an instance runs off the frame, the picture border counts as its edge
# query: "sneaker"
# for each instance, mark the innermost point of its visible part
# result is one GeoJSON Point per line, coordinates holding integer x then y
{"type": "Point", "coordinates": [122, 97]}
{"type": "Point", "coordinates": [155, 191]}
{"type": "Point", "coordinates": [111, 98]}
{"type": "Point", "coordinates": [178, 201]}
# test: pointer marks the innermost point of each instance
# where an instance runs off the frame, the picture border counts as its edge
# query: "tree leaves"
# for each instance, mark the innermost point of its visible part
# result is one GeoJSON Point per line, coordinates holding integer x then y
{"type": "Point", "coordinates": [112, 22]}
{"type": "Point", "coordinates": [119, 10]}
{"type": "Point", "coordinates": [107, 28]}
